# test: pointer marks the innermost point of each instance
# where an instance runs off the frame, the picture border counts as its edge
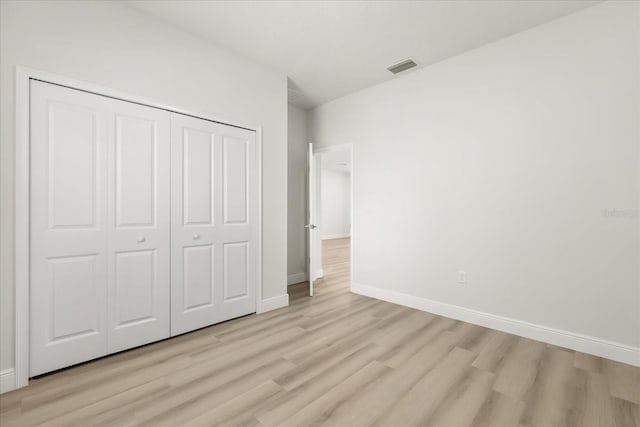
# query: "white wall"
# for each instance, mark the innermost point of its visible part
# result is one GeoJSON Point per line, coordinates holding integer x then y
{"type": "Point", "coordinates": [112, 45]}
{"type": "Point", "coordinates": [297, 196]}
{"type": "Point", "coordinates": [336, 199]}
{"type": "Point", "coordinates": [502, 162]}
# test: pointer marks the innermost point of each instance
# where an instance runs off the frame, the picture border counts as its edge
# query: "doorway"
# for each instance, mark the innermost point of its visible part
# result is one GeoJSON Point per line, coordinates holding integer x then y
{"type": "Point", "coordinates": [330, 214]}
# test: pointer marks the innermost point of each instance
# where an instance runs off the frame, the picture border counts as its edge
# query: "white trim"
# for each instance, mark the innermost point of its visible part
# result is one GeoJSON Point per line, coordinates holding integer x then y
{"type": "Point", "coordinates": [7, 380]}
{"type": "Point", "coordinates": [23, 76]}
{"type": "Point", "coordinates": [579, 342]}
{"type": "Point", "coordinates": [335, 236]}
{"type": "Point", "coordinates": [21, 236]}
{"type": "Point", "coordinates": [319, 274]}
{"type": "Point", "coordinates": [275, 303]}
{"type": "Point", "coordinates": [341, 147]}
{"type": "Point", "coordinates": [292, 279]}
{"type": "Point", "coordinates": [259, 248]}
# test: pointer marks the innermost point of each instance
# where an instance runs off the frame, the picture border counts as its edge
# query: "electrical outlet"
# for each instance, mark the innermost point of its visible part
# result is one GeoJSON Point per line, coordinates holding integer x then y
{"type": "Point", "coordinates": [462, 277]}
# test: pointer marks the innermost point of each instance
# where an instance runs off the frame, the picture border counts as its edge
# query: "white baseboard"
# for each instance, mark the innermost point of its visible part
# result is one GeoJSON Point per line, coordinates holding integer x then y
{"type": "Point", "coordinates": [335, 236]}
{"type": "Point", "coordinates": [319, 273]}
{"type": "Point", "coordinates": [292, 279]}
{"type": "Point", "coordinates": [274, 303]}
{"type": "Point", "coordinates": [583, 343]}
{"type": "Point", "coordinates": [7, 380]}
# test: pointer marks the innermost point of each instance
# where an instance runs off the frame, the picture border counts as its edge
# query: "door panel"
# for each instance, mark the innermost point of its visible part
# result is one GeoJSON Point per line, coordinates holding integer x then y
{"type": "Point", "coordinates": [236, 263]}
{"type": "Point", "coordinates": [214, 204]}
{"type": "Point", "coordinates": [69, 136]}
{"type": "Point", "coordinates": [135, 171]}
{"type": "Point", "coordinates": [235, 180]}
{"type": "Point", "coordinates": [135, 285]}
{"type": "Point", "coordinates": [73, 180]}
{"type": "Point", "coordinates": [198, 278]}
{"type": "Point", "coordinates": [139, 226]}
{"type": "Point", "coordinates": [74, 279]}
{"type": "Point", "coordinates": [198, 182]}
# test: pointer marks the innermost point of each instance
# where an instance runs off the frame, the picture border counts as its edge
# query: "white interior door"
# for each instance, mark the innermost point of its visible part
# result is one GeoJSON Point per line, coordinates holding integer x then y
{"type": "Point", "coordinates": [214, 223]}
{"type": "Point", "coordinates": [139, 226]}
{"type": "Point", "coordinates": [69, 134]}
{"type": "Point", "coordinates": [99, 226]}
{"type": "Point", "coordinates": [312, 228]}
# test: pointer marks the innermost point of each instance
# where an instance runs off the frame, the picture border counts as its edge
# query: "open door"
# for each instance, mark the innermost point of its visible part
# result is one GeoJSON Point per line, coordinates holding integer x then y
{"type": "Point", "coordinates": [311, 218]}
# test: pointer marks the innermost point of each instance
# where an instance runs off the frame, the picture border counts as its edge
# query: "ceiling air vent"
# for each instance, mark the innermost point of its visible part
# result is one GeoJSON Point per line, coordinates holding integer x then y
{"type": "Point", "coordinates": [401, 66]}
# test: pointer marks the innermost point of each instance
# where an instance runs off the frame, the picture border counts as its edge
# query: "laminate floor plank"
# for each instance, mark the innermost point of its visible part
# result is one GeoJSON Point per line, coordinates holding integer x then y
{"type": "Point", "coordinates": [320, 410]}
{"type": "Point", "coordinates": [419, 404]}
{"type": "Point", "coordinates": [368, 406]}
{"type": "Point", "coordinates": [520, 367]}
{"type": "Point", "coordinates": [492, 355]}
{"type": "Point", "coordinates": [302, 395]}
{"type": "Point", "coordinates": [550, 399]}
{"type": "Point", "coordinates": [593, 403]}
{"type": "Point", "coordinates": [239, 410]}
{"type": "Point", "coordinates": [463, 401]}
{"type": "Point", "coordinates": [499, 410]}
{"type": "Point", "coordinates": [625, 413]}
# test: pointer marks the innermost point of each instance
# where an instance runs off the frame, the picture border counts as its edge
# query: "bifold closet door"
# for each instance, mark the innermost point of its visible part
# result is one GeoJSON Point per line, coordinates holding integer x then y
{"type": "Point", "coordinates": [139, 229]}
{"type": "Point", "coordinates": [69, 134]}
{"type": "Point", "coordinates": [99, 219]}
{"type": "Point", "coordinates": [214, 218]}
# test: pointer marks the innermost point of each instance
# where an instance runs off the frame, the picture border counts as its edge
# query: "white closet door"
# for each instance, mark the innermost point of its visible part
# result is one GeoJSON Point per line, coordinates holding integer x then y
{"type": "Point", "coordinates": [214, 223]}
{"type": "Point", "coordinates": [139, 226]}
{"type": "Point", "coordinates": [70, 131]}
{"type": "Point", "coordinates": [100, 228]}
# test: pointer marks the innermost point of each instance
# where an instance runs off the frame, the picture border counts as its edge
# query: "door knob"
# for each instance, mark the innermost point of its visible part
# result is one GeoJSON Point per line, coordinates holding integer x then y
{"type": "Point", "coordinates": [311, 226]}
{"type": "Point", "coordinates": [141, 239]}
{"type": "Point", "coordinates": [196, 236]}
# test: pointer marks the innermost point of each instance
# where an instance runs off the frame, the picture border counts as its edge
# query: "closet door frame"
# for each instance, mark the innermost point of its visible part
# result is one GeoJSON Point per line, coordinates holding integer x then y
{"type": "Point", "coordinates": [24, 75]}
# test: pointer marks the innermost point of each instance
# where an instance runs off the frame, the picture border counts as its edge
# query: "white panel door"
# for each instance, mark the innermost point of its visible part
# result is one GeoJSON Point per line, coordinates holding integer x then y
{"type": "Point", "coordinates": [312, 207]}
{"type": "Point", "coordinates": [214, 187]}
{"type": "Point", "coordinates": [139, 226]}
{"type": "Point", "coordinates": [70, 131]}
{"type": "Point", "coordinates": [100, 227]}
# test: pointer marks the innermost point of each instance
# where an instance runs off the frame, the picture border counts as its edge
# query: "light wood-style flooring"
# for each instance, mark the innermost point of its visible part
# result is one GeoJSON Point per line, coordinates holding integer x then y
{"type": "Point", "coordinates": [336, 359]}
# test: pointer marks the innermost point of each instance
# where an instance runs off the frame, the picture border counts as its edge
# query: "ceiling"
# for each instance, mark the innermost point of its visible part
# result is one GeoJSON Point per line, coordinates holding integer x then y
{"type": "Point", "coordinates": [331, 48]}
{"type": "Point", "coordinates": [339, 161]}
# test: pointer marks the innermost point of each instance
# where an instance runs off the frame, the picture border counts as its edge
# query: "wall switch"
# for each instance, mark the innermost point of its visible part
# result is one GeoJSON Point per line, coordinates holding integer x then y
{"type": "Point", "coordinates": [462, 277]}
